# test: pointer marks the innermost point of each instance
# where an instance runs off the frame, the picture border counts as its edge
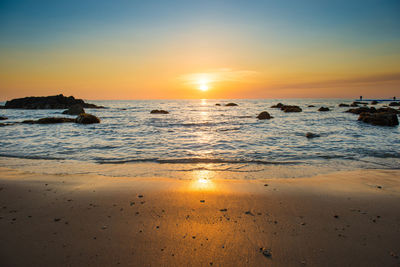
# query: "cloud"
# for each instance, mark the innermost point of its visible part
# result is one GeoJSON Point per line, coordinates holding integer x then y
{"type": "Point", "coordinates": [219, 75]}
{"type": "Point", "coordinates": [356, 81]}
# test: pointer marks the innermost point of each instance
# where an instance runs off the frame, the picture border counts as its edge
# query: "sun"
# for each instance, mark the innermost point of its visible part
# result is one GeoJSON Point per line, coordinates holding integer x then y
{"type": "Point", "coordinates": [203, 87]}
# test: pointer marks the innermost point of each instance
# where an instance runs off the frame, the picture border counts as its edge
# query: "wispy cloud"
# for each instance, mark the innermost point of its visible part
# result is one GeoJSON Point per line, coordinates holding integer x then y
{"type": "Point", "coordinates": [219, 75]}
{"type": "Point", "coordinates": [357, 81]}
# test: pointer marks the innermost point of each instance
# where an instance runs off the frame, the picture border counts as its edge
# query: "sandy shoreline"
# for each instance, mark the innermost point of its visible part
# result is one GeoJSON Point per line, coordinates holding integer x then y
{"type": "Point", "coordinates": [340, 219]}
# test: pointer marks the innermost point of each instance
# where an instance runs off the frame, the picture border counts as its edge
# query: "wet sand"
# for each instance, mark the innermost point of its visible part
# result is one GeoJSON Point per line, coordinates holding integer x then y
{"type": "Point", "coordinates": [339, 219]}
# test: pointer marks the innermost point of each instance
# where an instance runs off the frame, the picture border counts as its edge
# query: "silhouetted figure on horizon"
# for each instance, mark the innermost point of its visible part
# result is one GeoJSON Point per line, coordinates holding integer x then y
{"type": "Point", "coordinates": [360, 97]}
{"type": "Point", "coordinates": [394, 98]}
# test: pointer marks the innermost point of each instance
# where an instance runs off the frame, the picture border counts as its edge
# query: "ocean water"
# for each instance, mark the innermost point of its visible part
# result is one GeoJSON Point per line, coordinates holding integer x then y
{"type": "Point", "coordinates": [198, 136]}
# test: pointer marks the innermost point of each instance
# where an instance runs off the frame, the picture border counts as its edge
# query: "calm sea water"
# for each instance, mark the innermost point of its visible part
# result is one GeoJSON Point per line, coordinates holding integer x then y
{"type": "Point", "coordinates": [198, 135]}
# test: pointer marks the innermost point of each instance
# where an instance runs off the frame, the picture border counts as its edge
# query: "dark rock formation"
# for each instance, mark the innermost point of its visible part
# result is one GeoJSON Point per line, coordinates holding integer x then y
{"type": "Point", "coordinates": [291, 108]}
{"type": "Point", "coordinates": [344, 105]}
{"type": "Point", "coordinates": [311, 106]}
{"type": "Point", "coordinates": [387, 109]}
{"type": "Point", "coordinates": [361, 110]}
{"type": "Point", "coordinates": [50, 120]}
{"type": "Point", "coordinates": [218, 104]}
{"type": "Point", "coordinates": [74, 110]}
{"type": "Point", "coordinates": [374, 102]}
{"type": "Point", "coordinates": [279, 105]}
{"type": "Point", "coordinates": [323, 109]}
{"type": "Point", "coordinates": [231, 105]}
{"type": "Point", "coordinates": [85, 118]}
{"type": "Point", "coordinates": [47, 102]}
{"type": "Point", "coordinates": [360, 103]}
{"type": "Point", "coordinates": [264, 116]}
{"type": "Point", "coordinates": [353, 105]}
{"type": "Point", "coordinates": [311, 135]}
{"type": "Point", "coordinates": [3, 118]}
{"type": "Point", "coordinates": [394, 104]}
{"type": "Point", "coordinates": [381, 118]}
{"type": "Point", "coordinates": [156, 111]}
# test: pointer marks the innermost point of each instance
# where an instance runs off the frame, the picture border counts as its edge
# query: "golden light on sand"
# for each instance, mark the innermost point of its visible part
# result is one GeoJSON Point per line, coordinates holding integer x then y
{"type": "Point", "coordinates": [202, 181]}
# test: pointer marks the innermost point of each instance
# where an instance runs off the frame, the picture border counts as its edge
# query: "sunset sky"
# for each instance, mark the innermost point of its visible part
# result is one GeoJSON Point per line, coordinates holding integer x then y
{"type": "Point", "coordinates": [200, 49]}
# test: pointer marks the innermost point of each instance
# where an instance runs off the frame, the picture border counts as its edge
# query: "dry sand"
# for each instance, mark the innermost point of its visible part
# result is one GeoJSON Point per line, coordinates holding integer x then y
{"type": "Point", "coordinates": [340, 219]}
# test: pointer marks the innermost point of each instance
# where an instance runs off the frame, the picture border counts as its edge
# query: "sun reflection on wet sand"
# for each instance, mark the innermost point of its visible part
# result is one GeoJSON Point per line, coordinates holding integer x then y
{"type": "Point", "coordinates": [202, 181]}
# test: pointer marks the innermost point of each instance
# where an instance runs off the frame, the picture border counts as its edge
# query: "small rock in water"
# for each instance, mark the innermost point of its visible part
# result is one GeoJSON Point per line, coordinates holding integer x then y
{"type": "Point", "coordinates": [3, 118]}
{"type": "Point", "coordinates": [265, 184]}
{"type": "Point", "coordinates": [85, 118]}
{"type": "Point", "coordinates": [312, 135]}
{"type": "Point", "coordinates": [323, 109]}
{"type": "Point", "coordinates": [223, 210]}
{"type": "Point", "coordinates": [311, 106]}
{"type": "Point", "coordinates": [57, 219]}
{"type": "Point", "coordinates": [218, 104]}
{"type": "Point", "coordinates": [379, 187]}
{"type": "Point", "coordinates": [264, 116]}
{"type": "Point", "coordinates": [140, 196]}
{"type": "Point", "coordinates": [202, 201]}
{"type": "Point", "coordinates": [336, 216]}
{"type": "Point", "coordinates": [249, 213]}
{"type": "Point", "coordinates": [231, 105]}
{"type": "Point", "coordinates": [266, 252]}
{"type": "Point", "coordinates": [156, 111]}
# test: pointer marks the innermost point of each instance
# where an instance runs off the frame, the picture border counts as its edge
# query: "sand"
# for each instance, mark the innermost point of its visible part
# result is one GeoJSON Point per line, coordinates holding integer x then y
{"type": "Point", "coordinates": [339, 219]}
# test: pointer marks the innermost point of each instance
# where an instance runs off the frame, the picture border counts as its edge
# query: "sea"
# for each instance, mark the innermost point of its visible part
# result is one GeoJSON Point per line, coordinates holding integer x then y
{"type": "Point", "coordinates": [200, 138]}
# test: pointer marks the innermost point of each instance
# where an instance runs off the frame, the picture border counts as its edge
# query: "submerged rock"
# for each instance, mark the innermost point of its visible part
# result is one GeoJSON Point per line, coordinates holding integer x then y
{"type": "Point", "coordinates": [374, 102]}
{"type": "Point", "coordinates": [311, 135]}
{"type": "Point", "coordinates": [311, 106]}
{"type": "Point", "coordinates": [47, 102]}
{"type": "Point", "coordinates": [264, 116]}
{"type": "Point", "coordinates": [323, 109]}
{"type": "Point", "coordinates": [156, 111]}
{"type": "Point", "coordinates": [231, 105]}
{"type": "Point", "coordinates": [74, 110]}
{"type": "Point", "coordinates": [361, 110]}
{"type": "Point", "coordinates": [218, 104]}
{"type": "Point", "coordinates": [387, 109]}
{"type": "Point", "coordinates": [85, 118]}
{"type": "Point", "coordinates": [3, 118]}
{"type": "Point", "coordinates": [49, 120]}
{"type": "Point", "coordinates": [380, 119]}
{"type": "Point", "coordinates": [394, 104]}
{"type": "Point", "coordinates": [291, 108]}
{"type": "Point", "coordinates": [279, 105]}
{"type": "Point", "coordinates": [344, 105]}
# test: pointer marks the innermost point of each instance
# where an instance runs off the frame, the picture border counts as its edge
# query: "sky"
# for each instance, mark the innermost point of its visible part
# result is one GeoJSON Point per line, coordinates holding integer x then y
{"type": "Point", "coordinates": [200, 49]}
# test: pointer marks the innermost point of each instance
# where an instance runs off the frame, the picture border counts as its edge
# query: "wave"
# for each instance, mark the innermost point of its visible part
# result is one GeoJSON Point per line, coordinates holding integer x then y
{"type": "Point", "coordinates": [199, 160]}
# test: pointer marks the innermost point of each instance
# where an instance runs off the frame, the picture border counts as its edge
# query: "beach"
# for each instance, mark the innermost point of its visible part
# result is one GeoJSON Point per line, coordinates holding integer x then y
{"type": "Point", "coordinates": [348, 218]}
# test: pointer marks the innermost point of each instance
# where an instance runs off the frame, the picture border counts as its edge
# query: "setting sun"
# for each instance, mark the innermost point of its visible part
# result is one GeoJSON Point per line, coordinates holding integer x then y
{"type": "Point", "coordinates": [203, 87]}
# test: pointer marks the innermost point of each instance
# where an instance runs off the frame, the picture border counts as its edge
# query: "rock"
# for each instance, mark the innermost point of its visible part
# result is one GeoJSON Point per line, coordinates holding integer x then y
{"type": "Point", "coordinates": [85, 118]}
{"type": "Point", "coordinates": [156, 111]}
{"type": "Point", "coordinates": [218, 104]}
{"type": "Point", "coordinates": [374, 102]}
{"type": "Point", "coordinates": [291, 108]}
{"type": "Point", "coordinates": [380, 119]}
{"type": "Point", "coordinates": [344, 105]}
{"type": "Point", "coordinates": [360, 103]}
{"type": "Point", "coordinates": [264, 116]}
{"type": "Point", "coordinates": [266, 252]}
{"type": "Point", "coordinates": [74, 110]}
{"type": "Point", "coordinates": [47, 102]}
{"type": "Point", "coordinates": [279, 105]}
{"type": "Point", "coordinates": [311, 106]}
{"type": "Point", "coordinates": [361, 110]}
{"type": "Point", "coordinates": [323, 109]}
{"type": "Point", "coordinates": [50, 120]}
{"type": "Point", "coordinates": [231, 105]}
{"type": "Point", "coordinates": [387, 109]}
{"type": "Point", "coordinates": [3, 118]}
{"type": "Point", "coordinates": [394, 104]}
{"type": "Point", "coordinates": [353, 105]}
{"type": "Point", "coordinates": [312, 135]}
